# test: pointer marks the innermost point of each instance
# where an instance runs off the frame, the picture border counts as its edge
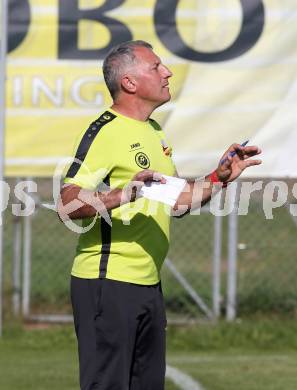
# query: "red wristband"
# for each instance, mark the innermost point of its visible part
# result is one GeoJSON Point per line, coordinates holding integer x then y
{"type": "Point", "coordinates": [215, 180]}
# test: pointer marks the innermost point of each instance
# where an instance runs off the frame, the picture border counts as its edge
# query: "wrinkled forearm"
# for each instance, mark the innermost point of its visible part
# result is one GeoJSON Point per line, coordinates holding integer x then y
{"type": "Point", "coordinates": [78, 203]}
{"type": "Point", "coordinates": [195, 195]}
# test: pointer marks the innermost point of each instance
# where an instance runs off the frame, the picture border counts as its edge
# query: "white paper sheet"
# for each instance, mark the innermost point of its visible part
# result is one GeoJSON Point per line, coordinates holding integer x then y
{"type": "Point", "coordinates": [165, 193]}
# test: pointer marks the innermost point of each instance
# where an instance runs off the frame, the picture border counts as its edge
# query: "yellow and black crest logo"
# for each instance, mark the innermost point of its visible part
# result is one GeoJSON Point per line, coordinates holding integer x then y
{"type": "Point", "coordinates": [142, 160]}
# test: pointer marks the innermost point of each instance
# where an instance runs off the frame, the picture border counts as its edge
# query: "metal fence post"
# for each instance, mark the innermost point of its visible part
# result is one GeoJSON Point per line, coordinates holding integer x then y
{"type": "Point", "coordinates": [216, 262]}
{"type": "Point", "coordinates": [232, 253]}
{"type": "Point", "coordinates": [3, 53]}
{"type": "Point", "coordinates": [27, 244]}
{"type": "Point", "coordinates": [16, 266]}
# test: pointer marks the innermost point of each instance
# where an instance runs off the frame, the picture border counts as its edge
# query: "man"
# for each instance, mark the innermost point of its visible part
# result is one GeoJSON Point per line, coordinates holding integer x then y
{"type": "Point", "coordinates": [115, 284]}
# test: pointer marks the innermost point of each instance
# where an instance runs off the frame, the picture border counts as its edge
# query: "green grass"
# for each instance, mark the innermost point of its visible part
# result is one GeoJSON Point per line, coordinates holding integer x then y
{"type": "Point", "coordinates": [248, 334]}
{"type": "Point", "coordinates": [252, 354]}
{"type": "Point", "coordinates": [41, 360]}
{"type": "Point", "coordinates": [240, 370]}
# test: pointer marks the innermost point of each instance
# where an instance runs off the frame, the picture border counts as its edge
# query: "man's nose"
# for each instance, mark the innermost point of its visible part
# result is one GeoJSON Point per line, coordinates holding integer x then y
{"type": "Point", "coordinates": [167, 72]}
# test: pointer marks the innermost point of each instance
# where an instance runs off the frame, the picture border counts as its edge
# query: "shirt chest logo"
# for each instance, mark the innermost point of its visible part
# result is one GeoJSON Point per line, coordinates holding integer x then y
{"type": "Point", "coordinates": [135, 146]}
{"type": "Point", "coordinates": [142, 160]}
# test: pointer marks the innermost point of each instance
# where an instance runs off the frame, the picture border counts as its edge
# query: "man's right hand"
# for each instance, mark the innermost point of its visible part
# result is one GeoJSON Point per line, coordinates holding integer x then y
{"type": "Point", "coordinates": [76, 202]}
{"type": "Point", "coordinates": [131, 191]}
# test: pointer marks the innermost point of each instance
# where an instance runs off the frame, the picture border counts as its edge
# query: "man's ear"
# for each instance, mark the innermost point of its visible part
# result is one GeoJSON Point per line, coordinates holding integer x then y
{"type": "Point", "coordinates": [128, 84]}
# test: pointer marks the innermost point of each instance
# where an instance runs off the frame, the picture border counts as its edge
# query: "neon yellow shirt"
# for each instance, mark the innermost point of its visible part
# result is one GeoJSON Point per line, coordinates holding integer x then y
{"type": "Point", "coordinates": [133, 249]}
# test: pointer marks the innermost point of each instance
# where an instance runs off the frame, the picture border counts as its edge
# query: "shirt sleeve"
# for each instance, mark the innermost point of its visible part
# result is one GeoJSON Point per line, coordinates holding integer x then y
{"type": "Point", "coordinates": [167, 147]}
{"type": "Point", "coordinates": [93, 161]}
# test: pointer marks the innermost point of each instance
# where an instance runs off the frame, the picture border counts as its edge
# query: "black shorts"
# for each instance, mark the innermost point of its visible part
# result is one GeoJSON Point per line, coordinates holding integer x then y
{"type": "Point", "coordinates": [120, 329]}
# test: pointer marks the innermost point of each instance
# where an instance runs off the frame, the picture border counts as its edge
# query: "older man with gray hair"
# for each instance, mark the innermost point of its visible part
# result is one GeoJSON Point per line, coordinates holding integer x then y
{"type": "Point", "coordinates": [116, 291]}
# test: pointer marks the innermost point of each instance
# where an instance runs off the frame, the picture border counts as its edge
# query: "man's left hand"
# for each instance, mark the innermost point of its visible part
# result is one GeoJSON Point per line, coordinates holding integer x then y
{"type": "Point", "coordinates": [235, 160]}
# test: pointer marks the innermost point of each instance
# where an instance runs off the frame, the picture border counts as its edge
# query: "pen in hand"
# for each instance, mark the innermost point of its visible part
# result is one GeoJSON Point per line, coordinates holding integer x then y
{"type": "Point", "coordinates": [231, 154]}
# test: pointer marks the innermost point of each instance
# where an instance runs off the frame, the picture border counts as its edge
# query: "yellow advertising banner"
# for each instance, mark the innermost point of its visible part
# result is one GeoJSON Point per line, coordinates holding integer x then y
{"type": "Point", "coordinates": [234, 66]}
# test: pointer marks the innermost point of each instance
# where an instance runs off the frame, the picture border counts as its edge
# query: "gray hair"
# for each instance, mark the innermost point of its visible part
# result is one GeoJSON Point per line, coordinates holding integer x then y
{"type": "Point", "coordinates": [117, 60]}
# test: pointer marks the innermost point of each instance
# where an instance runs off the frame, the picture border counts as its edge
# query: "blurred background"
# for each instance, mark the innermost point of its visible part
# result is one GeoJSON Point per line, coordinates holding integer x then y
{"type": "Point", "coordinates": [229, 279]}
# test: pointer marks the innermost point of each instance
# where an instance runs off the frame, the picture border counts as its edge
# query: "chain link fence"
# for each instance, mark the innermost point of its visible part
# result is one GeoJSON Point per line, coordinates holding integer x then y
{"type": "Point", "coordinates": [39, 250]}
{"type": "Point", "coordinates": [267, 261]}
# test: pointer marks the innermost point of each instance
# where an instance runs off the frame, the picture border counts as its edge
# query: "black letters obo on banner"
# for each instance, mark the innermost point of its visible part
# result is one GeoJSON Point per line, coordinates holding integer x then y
{"type": "Point", "coordinates": [253, 18]}
{"type": "Point", "coordinates": [251, 29]}
{"type": "Point", "coordinates": [18, 22]}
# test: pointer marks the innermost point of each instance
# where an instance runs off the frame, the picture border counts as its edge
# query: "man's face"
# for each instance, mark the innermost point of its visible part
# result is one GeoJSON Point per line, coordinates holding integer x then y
{"type": "Point", "coordinates": [151, 77]}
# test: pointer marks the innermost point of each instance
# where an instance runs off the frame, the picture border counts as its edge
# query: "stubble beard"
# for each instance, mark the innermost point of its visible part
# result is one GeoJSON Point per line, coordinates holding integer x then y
{"type": "Point", "coordinates": [163, 101]}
